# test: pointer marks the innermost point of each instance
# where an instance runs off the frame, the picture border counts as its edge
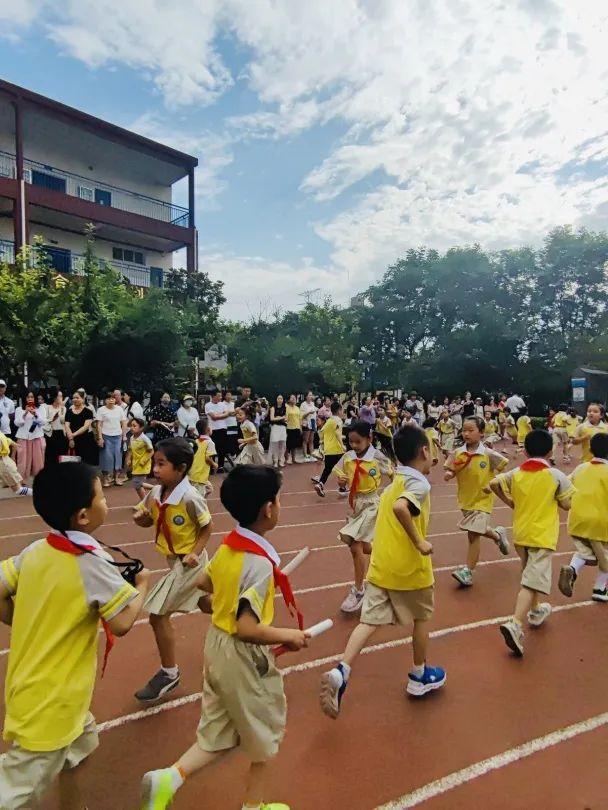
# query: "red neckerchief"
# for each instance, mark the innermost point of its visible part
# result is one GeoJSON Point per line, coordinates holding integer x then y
{"type": "Point", "coordinates": [237, 542]}
{"type": "Point", "coordinates": [462, 465]}
{"type": "Point", "coordinates": [163, 526]}
{"type": "Point", "coordinates": [598, 460]}
{"type": "Point", "coordinates": [533, 465]}
{"type": "Point", "coordinates": [359, 471]}
{"type": "Point", "coordinates": [61, 543]}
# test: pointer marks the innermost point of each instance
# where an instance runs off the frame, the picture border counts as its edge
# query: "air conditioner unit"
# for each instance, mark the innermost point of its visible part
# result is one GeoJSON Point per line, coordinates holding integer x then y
{"type": "Point", "coordinates": [27, 175]}
{"type": "Point", "coordinates": [86, 193]}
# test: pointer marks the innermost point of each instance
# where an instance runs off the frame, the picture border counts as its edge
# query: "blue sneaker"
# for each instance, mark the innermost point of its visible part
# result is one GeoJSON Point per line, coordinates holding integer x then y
{"type": "Point", "coordinates": [432, 678]}
{"type": "Point", "coordinates": [333, 686]}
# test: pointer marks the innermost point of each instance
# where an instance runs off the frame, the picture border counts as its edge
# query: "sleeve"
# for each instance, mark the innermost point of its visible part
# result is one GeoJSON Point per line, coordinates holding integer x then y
{"type": "Point", "coordinates": [339, 470]}
{"type": "Point", "coordinates": [106, 591]}
{"type": "Point", "coordinates": [386, 468]}
{"type": "Point", "coordinates": [147, 441]}
{"type": "Point", "coordinates": [506, 481]}
{"type": "Point", "coordinates": [19, 417]}
{"type": "Point", "coordinates": [415, 493]}
{"type": "Point", "coordinates": [11, 568]}
{"type": "Point", "coordinates": [210, 449]}
{"type": "Point", "coordinates": [196, 507]}
{"type": "Point", "coordinates": [497, 461]}
{"type": "Point", "coordinates": [565, 488]}
{"type": "Point", "coordinates": [255, 581]}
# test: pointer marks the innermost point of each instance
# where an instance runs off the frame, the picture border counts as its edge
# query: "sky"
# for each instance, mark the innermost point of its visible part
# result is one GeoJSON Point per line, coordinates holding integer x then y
{"type": "Point", "coordinates": [334, 135]}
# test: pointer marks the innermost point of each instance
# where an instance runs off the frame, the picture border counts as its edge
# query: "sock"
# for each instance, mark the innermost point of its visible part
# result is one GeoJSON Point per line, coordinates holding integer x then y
{"type": "Point", "coordinates": [172, 672]}
{"type": "Point", "coordinates": [345, 670]}
{"type": "Point", "coordinates": [601, 581]}
{"type": "Point", "coordinates": [27, 491]}
{"type": "Point", "coordinates": [178, 777]}
{"type": "Point", "coordinates": [418, 670]}
{"type": "Point", "coordinates": [360, 591]}
{"type": "Point", "coordinates": [577, 562]}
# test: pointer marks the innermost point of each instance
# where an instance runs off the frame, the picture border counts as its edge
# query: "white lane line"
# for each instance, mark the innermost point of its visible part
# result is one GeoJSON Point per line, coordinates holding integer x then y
{"type": "Point", "coordinates": [458, 778]}
{"type": "Point", "coordinates": [319, 662]}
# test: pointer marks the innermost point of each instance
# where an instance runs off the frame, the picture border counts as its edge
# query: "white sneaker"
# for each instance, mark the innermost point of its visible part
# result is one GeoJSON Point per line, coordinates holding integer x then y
{"type": "Point", "coordinates": [537, 616]}
{"type": "Point", "coordinates": [353, 601]}
{"type": "Point", "coordinates": [502, 542]}
{"type": "Point", "coordinates": [513, 636]}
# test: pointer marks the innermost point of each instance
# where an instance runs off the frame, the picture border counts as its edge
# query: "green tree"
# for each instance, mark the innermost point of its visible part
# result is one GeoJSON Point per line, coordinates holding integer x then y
{"type": "Point", "coordinates": [197, 299]}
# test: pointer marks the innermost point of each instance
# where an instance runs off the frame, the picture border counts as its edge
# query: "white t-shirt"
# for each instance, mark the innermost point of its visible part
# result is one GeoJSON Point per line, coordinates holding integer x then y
{"type": "Point", "coordinates": [216, 407]}
{"type": "Point", "coordinates": [134, 410]}
{"type": "Point", "coordinates": [7, 407]}
{"type": "Point", "coordinates": [307, 412]}
{"type": "Point", "coordinates": [187, 418]}
{"type": "Point", "coordinates": [24, 420]}
{"type": "Point", "coordinates": [231, 420]}
{"type": "Point", "coordinates": [515, 403]}
{"type": "Point", "coordinates": [110, 420]}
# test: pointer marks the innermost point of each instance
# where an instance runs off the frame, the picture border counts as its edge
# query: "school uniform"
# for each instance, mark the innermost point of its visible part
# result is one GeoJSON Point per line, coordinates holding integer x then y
{"type": "Point", "coordinates": [536, 488]}
{"type": "Point", "coordinates": [586, 432]}
{"type": "Point", "coordinates": [9, 474]}
{"type": "Point", "coordinates": [433, 438]}
{"type": "Point", "coordinates": [141, 459]}
{"type": "Point", "coordinates": [178, 520]}
{"type": "Point", "coordinates": [588, 515]}
{"type": "Point", "coordinates": [490, 435]}
{"type": "Point", "coordinates": [201, 468]}
{"type": "Point", "coordinates": [252, 453]}
{"type": "Point", "coordinates": [447, 432]}
{"type": "Point", "coordinates": [333, 445]}
{"type": "Point", "coordinates": [363, 476]}
{"type": "Point", "coordinates": [524, 426]}
{"type": "Point", "coordinates": [560, 429]}
{"type": "Point", "coordinates": [474, 471]}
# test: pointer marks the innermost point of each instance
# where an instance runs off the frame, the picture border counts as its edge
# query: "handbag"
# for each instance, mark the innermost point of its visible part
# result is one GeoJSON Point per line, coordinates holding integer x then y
{"type": "Point", "coordinates": [71, 456]}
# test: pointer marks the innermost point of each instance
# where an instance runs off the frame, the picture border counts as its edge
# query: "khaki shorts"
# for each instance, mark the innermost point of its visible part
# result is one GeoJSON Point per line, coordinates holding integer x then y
{"type": "Point", "coordinates": [176, 592]}
{"type": "Point", "coordinates": [25, 776]}
{"type": "Point", "coordinates": [9, 474]}
{"type": "Point", "coordinates": [383, 606]}
{"type": "Point", "coordinates": [360, 525]}
{"type": "Point", "coordinates": [474, 521]}
{"type": "Point", "coordinates": [536, 568]}
{"type": "Point", "coordinates": [560, 436]}
{"type": "Point", "coordinates": [243, 698]}
{"type": "Point", "coordinates": [593, 552]}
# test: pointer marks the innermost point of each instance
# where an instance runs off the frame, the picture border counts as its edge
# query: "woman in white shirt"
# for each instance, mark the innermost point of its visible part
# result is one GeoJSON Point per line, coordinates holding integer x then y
{"type": "Point", "coordinates": [308, 413]}
{"type": "Point", "coordinates": [54, 430]}
{"type": "Point", "coordinates": [232, 428]}
{"type": "Point", "coordinates": [187, 417]}
{"type": "Point", "coordinates": [30, 421]}
{"type": "Point", "coordinates": [112, 429]}
{"type": "Point", "coordinates": [134, 408]}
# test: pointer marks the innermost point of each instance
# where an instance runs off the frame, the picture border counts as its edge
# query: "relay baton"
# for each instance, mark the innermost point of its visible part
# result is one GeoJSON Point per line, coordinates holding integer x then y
{"type": "Point", "coordinates": [297, 560]}
{"type": "Point", "coordinates": [311, 632]}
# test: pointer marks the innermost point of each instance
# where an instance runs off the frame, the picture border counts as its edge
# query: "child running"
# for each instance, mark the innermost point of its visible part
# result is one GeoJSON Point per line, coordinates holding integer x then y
{"type": "Point", "coordinates": [243, 704]}
{"type": "Point", "coordinates": [9, 474]}
{"type": "Point", "coordinates": [252, 451]}
{"type": "Point", "coordinates": [361, 470]}
{"type": "Point", "coordinates": [400, 578]}
{"type": "Point", "coordinates": [205, 459]}
{"type": "Point", "coordinates": [524, 426]}
{"type": "Point", "coordinates": [55, 594]}
{"type": "Point", "coordinates": [594, 423]}
{"type": "Point", "coordinates": [448, 429]}
{"type": "Point", "coordinates": [473, 467]}
{"type": "Point", "coordinates": [384, 432]}
{"type": "Point", "coordinates": [139, 457]}
{"type": "Point", "coordinates": [430, 428]}
{"type": "Point", "coordinates": [510, 426]}
{"type": "Point", "coordinates": [588, 521]}
{"type": "Point", "coordinates": [560, 433]}
{"type": "Point", "coordinates": [183, 527]}
{"type": "Point", "coordinates": [534, 491]}
{"type": "Point", "coordinates": [333, 446]}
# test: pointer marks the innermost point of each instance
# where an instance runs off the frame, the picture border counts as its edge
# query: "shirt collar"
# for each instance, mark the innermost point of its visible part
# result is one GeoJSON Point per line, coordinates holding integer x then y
{"type": "Point", "coordinates": [261, 542]}
{"type": "Point", "coordinates": [178, 493]}
{"type": "Point", "coordinates": [403, 469]}
{"type": "Point", "coordinates": [368, 455]}
{"type": "Point", "coordinates": [480, 450]}
{"type": "Point", "coordinates": [539, 460]}
{"type": "Point", "coordinates": [82, 539]}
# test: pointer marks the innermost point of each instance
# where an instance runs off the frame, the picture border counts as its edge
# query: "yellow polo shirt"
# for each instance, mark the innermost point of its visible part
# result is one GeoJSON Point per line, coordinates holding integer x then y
{"type": "Point", "coordinates": [472, 476]}
{"type": "Point", "coordinates": [433, 438]}
{"type": "Point", "coordinates": [588, 516]}
{"type": "Point", "coordinates": [396, 563]}
{"type": "Point", "coordinates": [141, 457]}
{"type": "Point", "coordinates": [294, 421]}
{"type": "Point", "coordinates": [331, 436]}
{"type": "Point", "coordinates": [572, 426]}
{"type": "Point", "coordinates": [374, 464]}
{"type": "Point", "coordinates": [5, 445]}
{"type": "Point", "coordinates": [535, 494]}
{"type": "Point", "coordinates": [186, 514]}
{"type": "Point", "coordinates": [446, 427]}
{"type": "Point", "coordinates": [524, 426]}
{"type": "Point", "coordinates": [491, 427]}
{"type": "Point", "coordinates": [59, 599]}
{"type": "Point", "coordinates": [560, 420]}
{"type": "Point", "coordinates": [205, 450]}
{"type": "Point", "coordinates": [586, 432]}
{"type": "Point", "coordinates": [237, 577]}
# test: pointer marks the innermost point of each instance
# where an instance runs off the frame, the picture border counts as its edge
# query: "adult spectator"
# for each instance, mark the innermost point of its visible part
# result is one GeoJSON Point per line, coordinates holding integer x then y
{"type": "Point", "coordinates": [352, 410]}
{"type": "Point", "coordinates": [54, 429]}
{"type": "Point", "coordinates": [162, 419]}
{"type": "Point", "coordinates": [217, 412]}
{"type": "Point", "coordinates": [278, 432]}
{"type": "Point", "coordinates": [187, 417]}
{"type": "Point", "coordinates": [7, 410]}
{"type": "Point", "coordinates": [468, 406]}
{"type": "Point", "coordinates": [325, 408]}
{"type": "Point", "coordinates": [515, 403]}
{"type": "Point", "coordinates": [232, 428]}
{"type": "Point", "coordinates": [113, 429]}
{"type": "Point", "coordinates": [434, 410]}
{"type": "Point", "coordinates": [367, 412]}
{"type": "Point", "coordinates": [121, 401]}
{"type": "Point", "coordinates": [30, 421]}
{"type": "Point", "coordinates": [78, 429]}
{"type": "Point", "coordinates": [308, 414]}
{"type": "Point", "coordinates": [479, 409]}
{"type": "Point", "coordinates": [457, 411]}
{"type": "Point", "coordinates": [294, 429]}
{"type": "Point", "coordinates": [244, 397]}
{"type": "Point", "coordinates": [134, 407]}
{"type": "Point", "coordinates": [419, 408]}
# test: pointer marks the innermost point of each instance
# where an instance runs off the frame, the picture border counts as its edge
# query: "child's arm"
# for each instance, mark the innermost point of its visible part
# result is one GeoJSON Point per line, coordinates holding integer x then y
{"type": "Point", "coordinates": [565, 504]}
{"type": "Point", "coordinates": [142, 515]}
{"type": "Point", "coordinates": [250, 630]}
{"type": "Point", "coordinates": [129, 460]}
{"type": "Point", "coordinates": [6, 605]}
{"type": "Point", "coordinates": [122, 622]}
{"type": "Point", "coordinates": [404, 516]}
{"type": "Point", "coordinates": [497, 489]}
{"type": "Point", "coordinates": [191, 560]}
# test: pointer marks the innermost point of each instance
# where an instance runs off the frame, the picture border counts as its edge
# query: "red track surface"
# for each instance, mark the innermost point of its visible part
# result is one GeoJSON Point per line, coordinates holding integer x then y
{"type": "Point", "coordinates": [384, 746]}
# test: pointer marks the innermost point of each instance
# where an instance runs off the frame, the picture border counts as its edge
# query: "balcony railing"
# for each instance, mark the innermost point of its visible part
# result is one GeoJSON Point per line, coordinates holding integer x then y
{"type": "Point", "coordinates": [85, 188]}
{"type": "Point", "coordinates": [64, 261]}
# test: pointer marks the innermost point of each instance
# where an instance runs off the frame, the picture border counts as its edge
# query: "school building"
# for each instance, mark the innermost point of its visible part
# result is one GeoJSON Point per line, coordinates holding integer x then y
{"type": "Point", "coordinates": [61, 169]}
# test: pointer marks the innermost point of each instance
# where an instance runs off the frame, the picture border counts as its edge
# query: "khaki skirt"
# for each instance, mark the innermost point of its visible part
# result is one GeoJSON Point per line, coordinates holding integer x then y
{"type": "Point", "coordinates": [176, 592]}
{"type": "Point", "coordinates": [359, 527]}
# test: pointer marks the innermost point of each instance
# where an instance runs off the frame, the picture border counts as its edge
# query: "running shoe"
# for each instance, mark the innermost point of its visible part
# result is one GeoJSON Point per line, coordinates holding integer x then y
{"type": "Point", "coordinates": [513, 636]}
{"type": "Point", "coordinates": [538, 615]}
{"type": "Point", "coordinates": [600, 595]}
{"type": "Point", "coordinates": [463, 576]}
{"type": "Point", "coordinates": [353, 601]}
{"type": "Point", "coordinates": [567, 578]}
{"type": "Point", "coordinates": [315, 479]}
{"type": "Point", "coordinates": [158, 686]}
{"type": "Point", "coordinates": [432, 678]}
{"type": "Point", "coordinates": [157, 789]}
{"type": "Point", "coordinates": [343, 492]}
{"type": "Point", "coordinates": [333, 686]}
{"type": "Point", "coordinates": [502, 542]}
{"type": "Point", "coordinates": [320, 489]}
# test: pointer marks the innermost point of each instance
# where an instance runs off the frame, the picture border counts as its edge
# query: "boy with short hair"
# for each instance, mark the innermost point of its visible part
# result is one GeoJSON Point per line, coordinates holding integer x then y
{"type": "Point", "coordinates": [54, 594]}
{"type": "Point", "coordinates": [139, 457]}
{"type": "Point", "coordinates": [400, 577]}
{"type": "Point", "coordinates": [524, 426]}
{"type": "Point", "coordinates": [243, 702]}
{"type": "Point", "coordinates": [205, 459]}
{"type": "Point", "coordinates": [333, 445]}
{"type": "Point", "coordinates": [360, 470]}
{"type": "Point", "coordinates": [535, 491]}
{"type": "Point", "coordinates": [588, 521]}
{"type": "Point", "coordinates": [9, 474]}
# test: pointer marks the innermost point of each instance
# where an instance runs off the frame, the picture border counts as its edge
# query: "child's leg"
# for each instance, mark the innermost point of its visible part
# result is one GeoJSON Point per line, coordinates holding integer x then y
{"type": "Point", "coordinates": [255, 788]}
{"type": "Point", "coordinates": [473, 550]}
{"type": "Point", "coordinates": [358, 555]}
{"type": "Point", "coordinates": [527, 600]}
{"type": "Point", "coordinates": [165, 639]}
{"type": "Point", "coordinates": [195, 758]}
{"type": "Point", "coordinates": [357, 641]}
{"type": "Point", "coordinates": [420, 638]}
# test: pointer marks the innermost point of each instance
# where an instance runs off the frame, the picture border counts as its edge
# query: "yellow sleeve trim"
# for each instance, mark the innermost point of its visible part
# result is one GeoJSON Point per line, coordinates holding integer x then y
{"type": "Point", "coordinates": [504, 463]}
{"type": "Point", "coordinates": [204, 519]}
{"type": "Point", "coordinates": [120, 599]}
{"type": "Point", "coordinates": [411, 498]}
{"type": "Point", "coordinates": [567, 494]}
{"type": "Point", "coordinates": [9, 573]}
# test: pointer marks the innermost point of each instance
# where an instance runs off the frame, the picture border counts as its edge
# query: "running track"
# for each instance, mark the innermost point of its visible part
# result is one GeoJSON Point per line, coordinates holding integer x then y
{"type": "Point", "coordinates": [505, 733]}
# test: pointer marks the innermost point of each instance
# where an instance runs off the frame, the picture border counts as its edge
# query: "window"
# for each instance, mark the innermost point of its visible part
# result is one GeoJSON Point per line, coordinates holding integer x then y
{"type": "Point", "coordinates": [103, 197]}
{"type": "Point", "coordinates": [85, 193]}
{"type": "Point", "coordinates": [46, 180]}
{"type": "Point", "coordinates": [127, 255]}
